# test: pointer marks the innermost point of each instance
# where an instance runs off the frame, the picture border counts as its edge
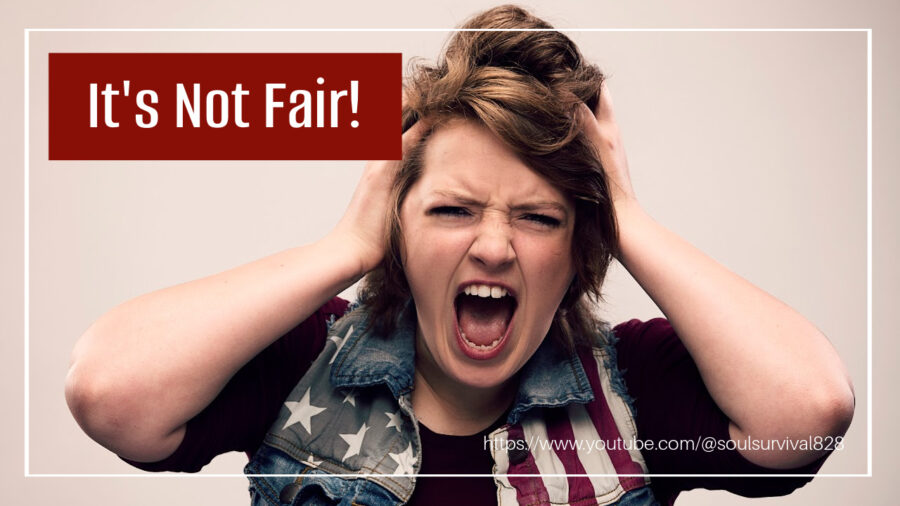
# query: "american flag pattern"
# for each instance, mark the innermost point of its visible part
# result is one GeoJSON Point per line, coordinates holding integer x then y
{"type": "Point", "coordinates": [338, 420]}
{"type": "Point", "coordinates": [607, 417]}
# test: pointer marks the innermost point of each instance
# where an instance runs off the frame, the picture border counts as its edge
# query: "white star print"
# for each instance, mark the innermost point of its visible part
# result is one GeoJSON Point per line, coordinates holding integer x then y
{"type": "Point", "coordinates": [355, 442]}
{"type": "Point", "coordinates": [339, 341]}
{"type": "Point", "coordinates": [312, 461]}
{"type": "Point", "coordinates": [405, 460]}
{"type": "Point", "coordinates": [302, 412]}
{"type": "Point", "coordinates": [395, 420]}
{"type": "Point", "coordinates": [351, 398]}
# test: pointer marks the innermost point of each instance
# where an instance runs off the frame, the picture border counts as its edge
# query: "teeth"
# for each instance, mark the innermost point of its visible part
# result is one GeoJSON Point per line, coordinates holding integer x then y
{"type": "Point", "coordinates": [485, 291]}
{"type": "Point", "coordinates": [479, 346]}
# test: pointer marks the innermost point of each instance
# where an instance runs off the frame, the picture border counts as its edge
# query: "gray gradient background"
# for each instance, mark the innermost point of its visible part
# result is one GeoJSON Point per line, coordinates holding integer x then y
{"type": "Point", "coordinates": [749, 145]}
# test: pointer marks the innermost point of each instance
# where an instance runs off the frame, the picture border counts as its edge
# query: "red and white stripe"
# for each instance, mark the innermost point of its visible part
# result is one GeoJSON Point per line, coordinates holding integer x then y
{"type": "Point", "coordinates": [607, 417]}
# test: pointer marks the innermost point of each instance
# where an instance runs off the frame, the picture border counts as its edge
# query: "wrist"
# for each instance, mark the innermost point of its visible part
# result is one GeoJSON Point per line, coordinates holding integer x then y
{"type": "Point", "coordinates": [628, 212]}
{"type": "Point", "coordinates": [631, 218]}
{"type": "Point", "coordinates": [350, 254]}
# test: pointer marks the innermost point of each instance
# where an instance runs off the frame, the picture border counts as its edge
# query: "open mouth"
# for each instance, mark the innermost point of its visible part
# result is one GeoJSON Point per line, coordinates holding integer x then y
{"type": "Point", "coordinates": [484, 314]}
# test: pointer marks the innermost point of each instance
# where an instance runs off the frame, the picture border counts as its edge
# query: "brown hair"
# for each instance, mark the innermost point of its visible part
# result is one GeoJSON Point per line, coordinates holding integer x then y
{"type": "Point", "coordinates": [525, 87]}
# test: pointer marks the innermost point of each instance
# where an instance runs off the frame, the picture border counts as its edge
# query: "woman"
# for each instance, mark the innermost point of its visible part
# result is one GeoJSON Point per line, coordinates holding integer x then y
{"type": "Point", "coordinates": [475, 346]}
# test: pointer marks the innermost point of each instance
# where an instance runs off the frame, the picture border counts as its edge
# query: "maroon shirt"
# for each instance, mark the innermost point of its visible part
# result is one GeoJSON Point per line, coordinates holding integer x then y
{"type": "Point", "coordinates": [670, 400]}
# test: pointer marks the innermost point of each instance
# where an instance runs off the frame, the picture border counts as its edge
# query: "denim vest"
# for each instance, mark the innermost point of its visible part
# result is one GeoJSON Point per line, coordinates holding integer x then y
{"type": "Point", "coordinates": [351, 415]}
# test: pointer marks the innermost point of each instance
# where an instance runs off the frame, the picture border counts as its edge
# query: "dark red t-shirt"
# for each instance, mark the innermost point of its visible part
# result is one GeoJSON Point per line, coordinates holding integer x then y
{"type": "Point", "coordinates": [670, 400]}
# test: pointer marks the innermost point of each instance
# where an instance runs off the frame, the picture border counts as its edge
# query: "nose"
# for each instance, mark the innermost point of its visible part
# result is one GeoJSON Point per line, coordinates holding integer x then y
{"type": "Point", "coordinates": [492, 247]}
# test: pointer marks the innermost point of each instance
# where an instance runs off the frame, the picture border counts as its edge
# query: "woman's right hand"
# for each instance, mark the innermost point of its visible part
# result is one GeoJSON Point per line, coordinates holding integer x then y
{"type": "Point", "coordinates": [364, 226]}
{"type": "Point", "coordinates": [146, 367]}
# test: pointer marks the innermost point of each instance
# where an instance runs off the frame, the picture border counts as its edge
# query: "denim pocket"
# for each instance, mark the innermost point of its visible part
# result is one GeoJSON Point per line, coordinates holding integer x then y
{"type": "Point", "coordinates": [285, 481]}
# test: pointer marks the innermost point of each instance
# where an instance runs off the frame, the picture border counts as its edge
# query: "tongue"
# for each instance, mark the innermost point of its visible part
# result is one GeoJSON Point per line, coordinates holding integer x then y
{"type": "Point", "coordinates": [483, 320]}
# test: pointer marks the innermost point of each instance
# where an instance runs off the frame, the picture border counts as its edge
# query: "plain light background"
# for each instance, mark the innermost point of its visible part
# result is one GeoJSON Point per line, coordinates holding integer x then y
{"type": "Point", "coordinates": [749, 145]}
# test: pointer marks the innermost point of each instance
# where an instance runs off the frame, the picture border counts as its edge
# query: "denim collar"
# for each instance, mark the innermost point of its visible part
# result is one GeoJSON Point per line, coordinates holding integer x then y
{"type": "Point", "coordinates": [552, 377]}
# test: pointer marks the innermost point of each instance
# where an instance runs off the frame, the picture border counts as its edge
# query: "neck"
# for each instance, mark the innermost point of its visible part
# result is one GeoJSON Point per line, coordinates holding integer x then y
{"type": "Point", "coordinates": [446, 407]}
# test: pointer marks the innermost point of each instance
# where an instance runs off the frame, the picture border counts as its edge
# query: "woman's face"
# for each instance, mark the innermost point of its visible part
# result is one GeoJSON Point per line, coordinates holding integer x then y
{"type": "Point", "coordinates": [487, 253]}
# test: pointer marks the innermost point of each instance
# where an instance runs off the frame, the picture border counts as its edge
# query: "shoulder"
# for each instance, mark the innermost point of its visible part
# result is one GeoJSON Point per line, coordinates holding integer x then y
{"type": "Point", "coordinates": [672, 403]}
{"type": "Point", "coordinates": [645, 334]}
{"type": "Point", "coordinates": [336, 306]}
{"type": "Point", "coordinates": [649, 343]}
{"type": "Point", "coordinates": [252, 398]}
{"type": "Point", "coordinates": [343, 316]}
{"type": "Point", "coordinates": [636, 348]}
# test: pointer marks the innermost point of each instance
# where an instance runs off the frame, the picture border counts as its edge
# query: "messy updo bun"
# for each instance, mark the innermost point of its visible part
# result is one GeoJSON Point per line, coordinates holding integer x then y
{"type": "Point", "coordinates": [525, 87]}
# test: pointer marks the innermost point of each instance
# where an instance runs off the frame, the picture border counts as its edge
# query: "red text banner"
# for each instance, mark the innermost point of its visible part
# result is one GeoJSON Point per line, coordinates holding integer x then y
{"type": "Point", "coordinates": [225, 106]}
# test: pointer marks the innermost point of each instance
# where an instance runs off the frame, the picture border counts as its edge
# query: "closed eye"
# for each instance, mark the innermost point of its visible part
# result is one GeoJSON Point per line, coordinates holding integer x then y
{"type": "Point", "coordinates": [449, 211]}
{"type": "Point", "coordinates": [543, 219]}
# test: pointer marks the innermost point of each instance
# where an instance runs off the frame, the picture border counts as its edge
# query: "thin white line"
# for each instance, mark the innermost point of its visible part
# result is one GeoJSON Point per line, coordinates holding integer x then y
{"type": "Point", "coordinates": [27, 239]}
{"type": "Point", "coordinates": [366, 475]}
{"type": "Point", "coordinates": [869, 241]}
{"type": "Point", "coordinates": [868, 221]}
{"type": "Point", "coordinates": [449, 29]}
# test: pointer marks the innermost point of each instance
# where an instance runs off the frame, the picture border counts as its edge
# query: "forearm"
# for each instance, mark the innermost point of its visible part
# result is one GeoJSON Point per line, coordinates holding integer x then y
{"type": "Point", "coordinates": [768, 368]}
{"type": "Point", "coordinates": [146, 367]}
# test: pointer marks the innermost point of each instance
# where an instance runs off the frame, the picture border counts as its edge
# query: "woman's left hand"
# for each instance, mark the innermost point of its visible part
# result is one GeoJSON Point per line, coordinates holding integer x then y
{"type": "Point", "coordinates": [601, 128]}
{"type": "Point", "coordinates": [771, 371]}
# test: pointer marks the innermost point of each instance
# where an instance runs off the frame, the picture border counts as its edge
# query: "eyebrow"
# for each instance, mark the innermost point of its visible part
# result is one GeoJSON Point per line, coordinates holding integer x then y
{"type": "Point", "coordinates": [459, 197]}
{"type": "Point", "coordinates": [528, 206]}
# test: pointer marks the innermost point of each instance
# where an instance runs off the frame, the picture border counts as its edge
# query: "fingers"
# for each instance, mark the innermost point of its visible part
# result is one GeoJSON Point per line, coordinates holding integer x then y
{"type": "Point", "coordinates": [604, 110]}
{"type": "Point", "coordinates": [412, 136]}
{"type": "Point", "coordinates": [600, 124]}
{"type": "Point", "coordinates": [604, 135]}
{"type": "Point", "coordinates": [589, 123]}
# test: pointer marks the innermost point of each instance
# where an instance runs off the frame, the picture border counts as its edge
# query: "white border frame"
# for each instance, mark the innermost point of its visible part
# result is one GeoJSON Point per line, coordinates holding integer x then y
{"type": "Point", "coordinates": [868, 31]}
